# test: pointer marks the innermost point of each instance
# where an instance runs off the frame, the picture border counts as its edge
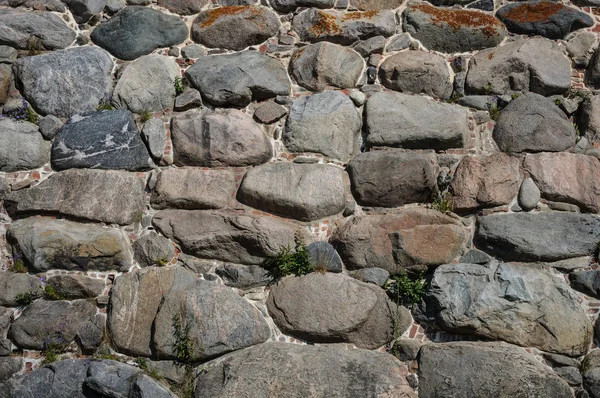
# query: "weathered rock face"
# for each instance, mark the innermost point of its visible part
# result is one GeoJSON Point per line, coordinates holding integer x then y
{"type": "Point", "coordinates": [343, 28]}
{"type": "Point", "coordinates": [326, 64]}
{"type": "Point", "coordinates": [234, 27]}
{"type": "Point", "coordinates": [44, 30]}
{"type": "Point", "coordinates": [538, 237]}
{"type": "Point", "coordinates": [13, 285]}
{"type": "Point", "coordinates": [243, 276]}
{"type": "Point", "coordinates": [303, 191]}
{"type": "Point", "coordinates": [485, 369]}
{"type": "Point", "coordinates": [414, 122]}
{"type": "Point", "coordinates": [65, 83]}
{"type": "Point", "coordinates": [291, 5]}
{"type": "Point", "coordinates": [325, 257]}
{"type": "Point", "coordinates": [531, 123]}
{"type": "Point", "coordinates": [588, 119]}
{"type": "Point", "coordinates": [372, 373]}
{"type": "Point", "coordinates": [417, 72]}
{"type": "Point", "coordinates": [302, 307]}
{"type": "Point", "coordinates": [76, 286]}
{"type": "Point", "coordinates": [58, 244]}
{"type": "Point", "coordinates": [391, 178]}
{"type": "Point", "coordinates": [517, 304]}
{"type": "Point", "coordinates": [326, 123]}
{"type": "Point", "coordinates": [107, 196]}
{"type": "Point", "coordinates": [102, 140]}
{"type": "Point", "coordinates": [238, 78]}
{"type": "Point", "coordinates": [184, 7]}
{"type": "Point", "coordinates": [452, 31]}
{"type": "Point", "coordinates": [543, 18]}
{"type": "Point", "coordinates": [22, 147]}
{"type": "Point", "coordinates": [238, 239]}
{"type": "Point", "coordinates": [8, 367]}
{"type": "Point", "coordinates": [587, 282]}
{"type": "Point", "coordinates": [226, 137]}
{"type": "Point", "coordinates": [484, 182]}
{"type": "Point", "coordinates": [367, 241]}
{"type": "Point", "coordinates": [83, 10]}
{"type": "Point", "coordinates": [536, 65]}
{"type": "Point", "coordinates": [153, 249]}
{"type": "Point", "coordinates": [370, 5]}
{"type": "Point", "coordinates": [135, 31]}
{"type": "Point", "coordinates": [566, 177]}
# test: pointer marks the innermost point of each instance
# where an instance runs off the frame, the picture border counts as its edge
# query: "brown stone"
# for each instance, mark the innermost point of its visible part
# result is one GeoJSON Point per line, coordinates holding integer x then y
{"type": "Point", "coordinates": [368, 5]}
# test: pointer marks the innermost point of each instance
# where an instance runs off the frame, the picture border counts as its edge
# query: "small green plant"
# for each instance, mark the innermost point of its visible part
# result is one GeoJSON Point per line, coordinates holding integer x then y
{"type": "Point", "coordinates": [182, 345]}
{"type": "Point", "coordinates": [31, 116]}
{"type": "Point", "coordinates": [442, 203]}
{"type": "Point", "coordinates": [407, 288]}
{"type": "Point", "coordinates": [179, 85]}
{"type": "Point", "coordinates": [105, 103]}
{"type": "Point", "coordinates": [494, 112]}
{"type": "Point", "coordinates": [577, 132]}
{"type": "Point", "coordinates": [145, 116]}
{"type": "Point", "coordinates": [488, 89]}
{"type": "Point", "coordinates": [289, 262]}
{"type": "Point", "coordinates": [558, 101]}
{"type": "Point", "coordinates": [161, 262]}
{"type": "Point", "coordinates": [141, 363]}
{"type": "Point", "coordinates": [52, 293]}
{"type": "Point", "coordinates": [51, 354]}
{"type": "Point", "coordinates": [454, 98]}
{"type": "Point", "coordinates": [515, 96]}
{"type": "Point", "coordinates": [34, 46]}
{"type": "Point", "coordinates": [19, 266]}
{"type": "Point", "coordinates": [27, 298]}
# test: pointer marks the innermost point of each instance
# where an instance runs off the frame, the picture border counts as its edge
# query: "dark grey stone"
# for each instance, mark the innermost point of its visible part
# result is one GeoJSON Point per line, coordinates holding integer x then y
{"type": "Point", "coordinates": [193, 51]}
{"type": "Point", "coordinates": [374, 275]}
{"type": "Point", "coordinates": [243, 276]}
{"type": "Point", "coordinates": [111, 378]}
{"type": "Point", "coordinates": [374, 45]}
{"type": "Point", "coordinates": [324, 257]}
{"type": "Point", "coordinates": [269, 112]}
{"type": "Point", "coordinates": [83, 10]}
{"type": "Point", "coordinates": [587, 282]}
{"type": "Point", "coordinates": [569, 374]}
{"type": "Point", "coordinates": [291, 5]}
{"type": "Point", "coordinates": [475, 256]}
{"type": "Point", "coordinates": [189, 99]}
{"type": "Point", "coordinates": [50, 126]}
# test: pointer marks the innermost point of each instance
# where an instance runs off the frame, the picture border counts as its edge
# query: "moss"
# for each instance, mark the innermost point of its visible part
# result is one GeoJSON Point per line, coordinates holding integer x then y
{"type": "Point", "coordinates": [456, 19]}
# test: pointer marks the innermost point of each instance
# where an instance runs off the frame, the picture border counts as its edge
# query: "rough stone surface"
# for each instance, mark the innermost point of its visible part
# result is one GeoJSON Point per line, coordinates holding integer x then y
{"type": "Point", "coordinates": [184, 7]}
{"type": "Point", "coordinates": [190, 99]}
{"type": "Point", "coordinates": [325, 257]}
{"type": "Point", "coordinates": [291, 5]}
{"type": "Point", "coordinates": [538, 237]}
{"type": "Point", "coordinates": [578, 47]}
{"type": "Point", "coordinates": [239, 239]}
{"type": "Point", "coordinates": [532, 123]}
{"type": "Point", "coordinates": [22, 147]}
{"type": "Point", "coordinates": [529, 195]}
{"type": "Point", "coordinates": [102, 140]}
{"type": "Point", "coordinates": [135, 31]}
{"type": "Point", "coordinates": [50, 126]}
{"type": "Point", "coordinates": [375, 275]}
{"type": "Point", "coordinates": [414, 122]}
{"type": "Point", "coordinates": [269, 112]}
{"type": "Point", "coordinates": [153, 249]}
{"type": "Point", "coordinates": [83, 10]}
{"type": "Point", "coordinates": [225, 137]}
{"type": "Point", "coordinates": [326, 123]}
{"type": "Point", "coordinates": [391, 178]}
{"type": "Point", "coordinates": [64, 83]}
{"type": "Point", "coordinates": [302, 191]}
{"type": "Point", "coordinates": [234, 27]}
{"type": "Point", "coordinates": [243, 276]}
{"type": "Point", "coordinates": [485, 369]}
{"type": "Point", "coordinates": [76, 286]}
{"type": "Point", "coordinates": [58, 244]}
{"type": "Point", "coordinates": [21, 29]}
{"type": "Point", "coordinates": [319, 65]}
{"type": "Point", "coordinates": [452, 30]}
{"type": "Point", "coordinates": [12, 285]}
{"type": "Point", "coordinates": [588, 119]}
{"type": "Point", "coordinates": [237, 79]}
{"type": "Point", "coordinates": [587, 282]}
{"type": "Point", "coordinates": [9, 366]}
{"type": "Point", "coordinates": [154, 134]}
{"type": "Point", "coordinates": [509, 302]}
{"type": "Point", "coordinates": [107, 196]}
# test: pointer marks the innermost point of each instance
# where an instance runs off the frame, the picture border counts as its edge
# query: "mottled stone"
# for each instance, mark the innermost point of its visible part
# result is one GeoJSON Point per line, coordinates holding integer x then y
{"type": "Point", "coordinates": [22, 147]}
{"type": "Point", "coordinates": [154, 134]}
{"type": "Point", "coordinates": [269, 112]}
{"type": "Point", "coordinates": [291, 5]}
{"type": "Point", "coordinates": [39, 30]}
{"type": "Point", "coordinates": [12, 285]}
{"type": "Point", "coordinates": [243, 276]}
{"type": "Point", "coordinates": [50, 126]}
{"type": "Point", "coordinates": [190, 99]}
{"type": "Point", "coordinates": [153, 249]}
{"type": "Point", "coordinates": [76, 286]}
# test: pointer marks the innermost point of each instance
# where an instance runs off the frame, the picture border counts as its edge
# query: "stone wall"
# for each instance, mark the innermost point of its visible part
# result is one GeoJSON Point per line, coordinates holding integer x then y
{"type": "Point", "coordinates": [153, 156]}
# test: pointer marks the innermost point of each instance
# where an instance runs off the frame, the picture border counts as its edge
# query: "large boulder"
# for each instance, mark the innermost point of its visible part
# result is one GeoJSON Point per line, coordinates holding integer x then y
{"type": "Point", "coordinates": [39, 30]}
{"type": "Point", "coordinates": [102, 140]}
{"type": "Point", "coordinates": [485, 370]}
{"type": "Point", "coordinates": [510, 302]}
{"type": "Point", "coordinates": [326, 123]}
{"type": "Point", "coordinates": [566, 177]}
{"type": "Point", "coordinates": [64, 83]}
{"type": "Point", "coordinates": [135, 31]}
{"type": "Point", "coordinates": [47, 244]}
{"type": "Point", "coordinates": [300, 371]}
{"type": "Point", "coordinates": [302, 307]}
{"type": "Point", "coordinates": [538, 237]}
{"type": "Point", "coordinates": [536, 65]}
{"type": "Point", "coordinates": [225, 137]}
{"type": "Point", "coordinates": [13, 285]}
{"type": "Point", "coordinates": [240, 239]}
{"type": "Point", "coordinates": [234, 27]}
{"type": "Point", "coordinates": [108, 196]}
{"type": "Point", "coordinates": [22, 147]}
{"type": "Point", "coordinates": [533, 123]}
{"type": "Point", "coordinates": [414, 122]}
{"type": "Point", "coordinates": [452, 30]}
{"type": "Point", "coordinates": [484, 181]}
{"type": "Point", "coordinates": [239, 78]}
{"type": "Point", "coordinates": [391, 178]}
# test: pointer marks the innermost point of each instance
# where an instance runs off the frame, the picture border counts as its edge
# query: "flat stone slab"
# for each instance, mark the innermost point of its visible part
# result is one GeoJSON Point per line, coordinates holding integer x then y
{"type": "Point", "coordinates": [24, 29]}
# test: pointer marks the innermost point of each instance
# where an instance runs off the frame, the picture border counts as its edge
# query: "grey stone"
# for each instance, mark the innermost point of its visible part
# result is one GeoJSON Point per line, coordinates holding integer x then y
{"type": "Point", "coordinates": [374, 45]}
{"type": "Point", "coordinates": [592, 76]}
{"type": "Point", "coordinates": [184, 7]}
{"type": "Point", "coordinates": [587, 282]}
{"type": "Point", "coordinates": [114, 6]}
{"type": "Point", "coordinates": [408, 350]}
{"type": "Point", "coordinates": [529, 195]}
{"type": "Point", "coordinates": [102, 140]}
{"type": "Point", "coordinates": [145, 387]}
{"type": "Point", "coordinates": [65, 83]}
{"type": "Point", "coordinates": [76, 286]}
{"type": "Point", "coordinates": [234, 28]}
{"type": "Point", "coordinates": [417, 72]}
{"type": "Point", "coordinates": [326, 123]}
{"type": "Point", "coordinates": [269, 112]}
{"type": "Point", "coordinates": [557, 360]}
{"type": "Point", "coordinates": [484, 5]}
{"type": "Point", "coordinates": [485, 370]}
{"type": "Point", "coordinates": [189, 99]}
{"type": "Point", "coordinates": [536, 65]}
{"type": "Point", "coordinates": [135, 31]}
{"type": "Point", "coordinates": [579, 46]}
{"type": "Point", "coordinates": [291, 5]}
{"type": "Point", "coordinates": [194, 189]}
{"type": "Point", "coordinates": [375, 275]}
{"type": "Point", "coordinates": [9, 366]}
{"type": "Point", "coordinates": [358, 97]}
{"type": "Point", "coordinates": [40, 30]}
{"type": "Point", "coordinates": [225, 137]}
{"type": "Point", "coordinates": [22, 147]}
{"type": "Point", "coordinates": [302, 307]}
{"type": "Point", "coordinates": [107, 196]}
{"type": "Point", "coordinates": [243, 276]}
{"type": "Point", "coordinates": [153, 249]}
{"type": "Point", "coordinates": [4, 188]}
{"type": "Point", "coordinates": [305, 192]}
{"type": "Point", "coordinates": [581, 145]}
{"type": "Point", "coordinates": [83, 10]}
{"type": "Point", "coordinates": [544, 18]}
{"type": "Point", "coordinates": [50, 126]}
{"type": "Point", "coordinates": [588, 119]}
{"type": "Point", "coordinates": [375, 5]}
{"type": "Point", "coordinates": [591, 379]}
{"type": "Point", "coordinates": [569, 374]}
{"type": "Point", "coordinates": [12, 285]}
{"type": "Point", "coordinates": [237, 79]}
{"type": "Point", "coordinates": [414, 122]}
{"type": "Point", "coordinates": [452, 30]}
{"type": "Point", "coordinates": [59, 244]}
{"type": "Point", "coordinates": [314, 25]}
{"type": "Point", "coordinates": [391, 178]}
{"type": "Point", "coordinates": [520, 305]}
{"type": "Point", "coordinates": [147, 84]}
{"type": "Point", "coordinates": [42, 5]}
{"type": "Point", "coordinates": [155, 136]}
{"type": "Point", "coordinates": [324, 257]}
{"type": "Point", "coordinates": [319, 65]}
{"type": "Point", "coordinates": [398, 43]}
{"type": "Point", "coordinates": [193, 51]}
{"type": "Point", "coordinates": [533, 123]}
{"type": "Point", "coordinates": [8, 55]}
{"type": "Point", "coordinates": [538, 237]}
{"type": "Point", "coordinates": [111, 378]}
{"type": "Point", "coordinates": [475, 256]}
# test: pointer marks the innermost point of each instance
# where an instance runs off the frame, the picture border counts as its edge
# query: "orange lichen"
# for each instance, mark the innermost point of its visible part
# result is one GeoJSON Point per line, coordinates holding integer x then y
{"type": "Point", "coordinates": [212, 15]}
{"type": "Point", "coordinates": [326, 24]}
{"type": "Point", "coordinates": [539, 12]}
{"type": "Point", "coordinates": [456, 19]}
{"type": "Point", "coordinates": [349, 16]}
